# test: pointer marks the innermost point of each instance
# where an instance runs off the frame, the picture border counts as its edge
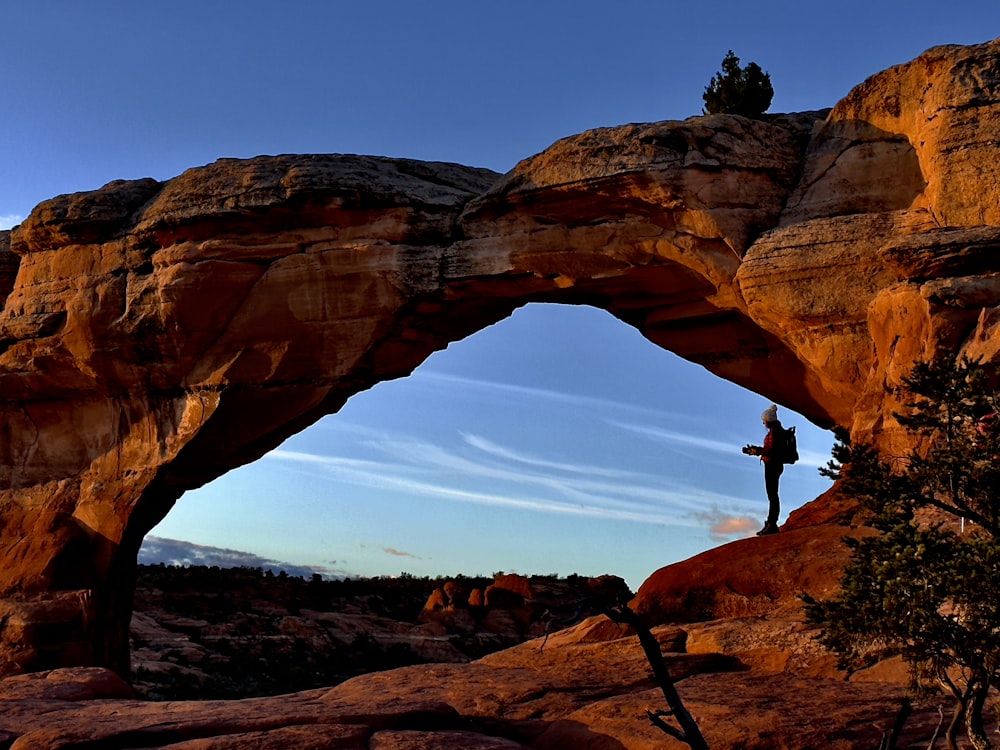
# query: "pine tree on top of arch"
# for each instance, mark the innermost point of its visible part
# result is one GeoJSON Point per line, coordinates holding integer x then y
{"type": "Point", "coordinates": [736, 90]}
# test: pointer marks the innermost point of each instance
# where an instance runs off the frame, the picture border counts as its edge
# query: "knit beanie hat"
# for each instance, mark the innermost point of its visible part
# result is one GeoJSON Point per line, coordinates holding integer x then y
{"type": "Point", "coordinates": [770, 414]}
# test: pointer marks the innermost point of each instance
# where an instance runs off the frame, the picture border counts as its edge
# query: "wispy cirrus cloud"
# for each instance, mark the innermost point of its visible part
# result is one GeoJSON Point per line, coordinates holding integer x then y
{"type": "Point", "coordinates": [634, 418]}
{"type": "Point", "coordinates": [546, 395]}
{"type": "Point", "coordinates": [703, 444]}
{"type": "Point", "coordinates": [490, 448]}
{"type": "Point", "coordinates": [812, 459]}
{"type": "Point", "coordinates": [402, 479]}
{"type": "Point", "coordinates": [398, 553]}
{"type": "Point", "coordinates": [662, 435]}
{"type": "Point", "coordinates": [630, 417]}
{"type": "Point", "coordinates": [477, 469]}
{"type": "Point", "coordinates": [515, 478]}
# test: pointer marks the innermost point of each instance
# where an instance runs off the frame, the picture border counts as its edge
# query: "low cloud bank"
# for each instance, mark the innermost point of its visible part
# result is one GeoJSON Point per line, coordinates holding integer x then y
{"type": "Point", "coordinates": [156, 550]}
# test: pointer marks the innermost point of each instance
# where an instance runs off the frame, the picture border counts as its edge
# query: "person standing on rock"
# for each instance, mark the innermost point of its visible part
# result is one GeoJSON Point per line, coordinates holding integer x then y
{"type": "Point", "coordinates": [774, 464]}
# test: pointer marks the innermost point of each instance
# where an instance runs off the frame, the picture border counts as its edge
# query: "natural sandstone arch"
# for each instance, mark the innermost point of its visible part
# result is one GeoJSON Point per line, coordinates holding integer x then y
{"type": "Point", "coordinates": [456, 431]}
{"type": "Point", "coordinates": [157, 335]}
{"type": "Point", "coordinates": [168, 333]}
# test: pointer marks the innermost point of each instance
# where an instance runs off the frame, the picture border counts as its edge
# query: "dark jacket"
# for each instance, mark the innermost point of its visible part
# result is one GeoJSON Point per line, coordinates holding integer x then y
{"type": "Point", "coordinates": [769, 450]}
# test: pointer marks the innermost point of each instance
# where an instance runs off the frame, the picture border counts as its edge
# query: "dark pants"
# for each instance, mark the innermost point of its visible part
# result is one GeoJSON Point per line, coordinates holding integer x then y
{"type": "Point", "coordinates": [772, 474]}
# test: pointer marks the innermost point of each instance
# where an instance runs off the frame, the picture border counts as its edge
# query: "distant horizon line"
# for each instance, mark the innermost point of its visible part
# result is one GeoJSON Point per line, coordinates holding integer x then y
{"type": "Point", "coordinates": [242, 560]}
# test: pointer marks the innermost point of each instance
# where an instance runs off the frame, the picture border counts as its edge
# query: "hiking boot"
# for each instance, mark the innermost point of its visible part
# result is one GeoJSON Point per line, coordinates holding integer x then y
{"type": "Point", "coordinates": [769, 528]}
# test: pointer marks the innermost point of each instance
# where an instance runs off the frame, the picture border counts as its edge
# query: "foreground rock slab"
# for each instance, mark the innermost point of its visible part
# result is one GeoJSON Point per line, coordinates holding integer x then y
{"type": "Point", "coordinates": [572, 692]}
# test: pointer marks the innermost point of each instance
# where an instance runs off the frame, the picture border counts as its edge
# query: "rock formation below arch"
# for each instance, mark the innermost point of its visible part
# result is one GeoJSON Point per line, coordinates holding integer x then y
{"type": "Point", "coordinates": [156, 335]}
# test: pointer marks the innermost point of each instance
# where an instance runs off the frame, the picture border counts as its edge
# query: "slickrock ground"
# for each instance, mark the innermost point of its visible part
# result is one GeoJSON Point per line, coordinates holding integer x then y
{"type": "Point", "coordinates": [573, 693]}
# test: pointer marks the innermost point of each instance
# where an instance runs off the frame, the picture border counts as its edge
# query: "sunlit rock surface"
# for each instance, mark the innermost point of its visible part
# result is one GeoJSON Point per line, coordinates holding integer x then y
{"type": "Point", "coordinates": [574, 692]}
{"type": "Point", "coordinates": [155, 335]}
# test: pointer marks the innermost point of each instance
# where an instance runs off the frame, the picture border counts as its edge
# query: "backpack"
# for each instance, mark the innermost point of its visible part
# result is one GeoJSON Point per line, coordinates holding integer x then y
{"type": "Point", "coordinates": [788, 449]}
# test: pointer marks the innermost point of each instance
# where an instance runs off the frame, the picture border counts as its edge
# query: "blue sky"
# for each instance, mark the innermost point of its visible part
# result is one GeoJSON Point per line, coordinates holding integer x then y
{"type": "Point", "coordinates": [558, 440]}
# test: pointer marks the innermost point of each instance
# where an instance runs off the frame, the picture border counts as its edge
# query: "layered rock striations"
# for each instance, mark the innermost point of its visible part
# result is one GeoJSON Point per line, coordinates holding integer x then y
{"type": "Point", "coordinates": [156, 335]}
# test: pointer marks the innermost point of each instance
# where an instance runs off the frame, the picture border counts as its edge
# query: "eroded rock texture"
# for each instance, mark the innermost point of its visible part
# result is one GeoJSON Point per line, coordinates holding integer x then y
{"type": "Point", "coordinates": [584, 688]}
{"type": "Point", "coordinates": [156, 335]}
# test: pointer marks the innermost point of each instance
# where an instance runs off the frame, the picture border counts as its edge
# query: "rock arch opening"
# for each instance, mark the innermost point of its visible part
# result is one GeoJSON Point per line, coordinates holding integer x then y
{"type": "Point", "coordinates": [556, 441]}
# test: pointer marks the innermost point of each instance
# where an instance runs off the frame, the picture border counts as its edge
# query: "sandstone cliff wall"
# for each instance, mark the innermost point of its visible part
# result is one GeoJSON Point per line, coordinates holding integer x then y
{"type": "Point", "coordinates": [155, 335]}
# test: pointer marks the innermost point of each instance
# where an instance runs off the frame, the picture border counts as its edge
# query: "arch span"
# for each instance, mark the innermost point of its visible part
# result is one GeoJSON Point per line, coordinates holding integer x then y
{"type": "Point", "coordinates": [159, 335]}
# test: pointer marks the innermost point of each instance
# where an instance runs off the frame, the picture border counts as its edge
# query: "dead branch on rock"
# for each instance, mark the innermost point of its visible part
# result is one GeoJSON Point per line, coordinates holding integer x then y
{"type": "Point", "coordinates": [937, 729]}
{"type": "Point", "coordinates": [688, 731]}
{"type": "Point", "coordinates": [582, 608]}
{"type": "Point", "coordinates": [890, 738]}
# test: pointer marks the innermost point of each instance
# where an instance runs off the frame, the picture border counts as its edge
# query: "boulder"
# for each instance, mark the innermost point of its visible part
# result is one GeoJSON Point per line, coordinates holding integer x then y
{"type": "Point", "coordinates": [748, 577]}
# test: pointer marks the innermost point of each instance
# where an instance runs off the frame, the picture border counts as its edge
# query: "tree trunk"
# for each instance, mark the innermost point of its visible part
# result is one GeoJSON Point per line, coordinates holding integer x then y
{"type": "Point", "coordinates": [974, 716]}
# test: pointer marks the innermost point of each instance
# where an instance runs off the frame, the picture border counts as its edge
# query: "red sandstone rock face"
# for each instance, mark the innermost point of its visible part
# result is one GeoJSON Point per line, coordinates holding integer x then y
{"type": "Point", "coordinates": [748, 577]}
{"type": "Point", "coordinates": [810, 259]}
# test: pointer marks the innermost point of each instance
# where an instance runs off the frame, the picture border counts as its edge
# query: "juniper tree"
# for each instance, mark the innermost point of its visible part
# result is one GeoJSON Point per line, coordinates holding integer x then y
{"type": "Point", "coordinates": [924, 586]}
{"type": "Point", "coordinates": [738, 91]}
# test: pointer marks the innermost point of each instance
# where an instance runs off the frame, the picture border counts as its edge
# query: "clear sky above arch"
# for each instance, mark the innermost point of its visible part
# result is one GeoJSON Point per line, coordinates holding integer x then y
{"type": "Point", "coordinates": [114, 89]}
{"type": "Point", "coordinates": [111, 89]}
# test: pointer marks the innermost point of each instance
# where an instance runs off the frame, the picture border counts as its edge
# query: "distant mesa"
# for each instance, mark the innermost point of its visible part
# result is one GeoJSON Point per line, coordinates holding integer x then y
{"type": "Point", "coordinates": [155, 335]}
